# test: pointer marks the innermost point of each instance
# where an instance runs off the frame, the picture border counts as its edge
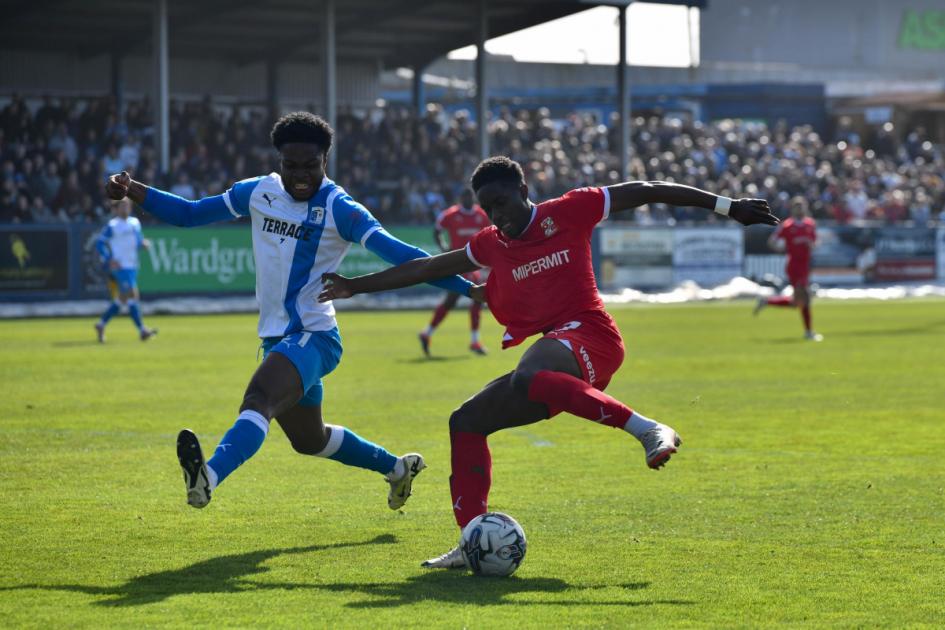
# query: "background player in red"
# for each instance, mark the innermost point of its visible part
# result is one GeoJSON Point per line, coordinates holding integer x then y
{"type": "Point", "coordinates": [542, 282]}
{"type": "Point", "coordinates": [459, 223]}
{"type": "Point", "coordinates": [798, 236]}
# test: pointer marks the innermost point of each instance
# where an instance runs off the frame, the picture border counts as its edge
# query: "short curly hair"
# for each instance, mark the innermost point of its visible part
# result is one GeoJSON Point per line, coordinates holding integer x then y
{"type": "Point", "coordinates": [303, 127]}
{"type": "Point", "coordinates": [497, 169]}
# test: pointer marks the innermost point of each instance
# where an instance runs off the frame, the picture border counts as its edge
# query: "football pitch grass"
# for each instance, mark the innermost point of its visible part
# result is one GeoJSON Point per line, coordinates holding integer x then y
{"type": "Point", "coordinates": [809, 491]}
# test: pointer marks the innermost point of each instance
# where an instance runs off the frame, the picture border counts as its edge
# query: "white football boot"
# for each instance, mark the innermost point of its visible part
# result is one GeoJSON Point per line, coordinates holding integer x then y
{"type": "Point", "coordinates": [452, 559]}
{"type": "Point", "coordinates": [810, 335]}
{"type": "Point", "coordinates": [400, 486]}
{"type": "Point", "coordinates": [660, 443]}
{"type": "Point", "coordinates": [194, 466]}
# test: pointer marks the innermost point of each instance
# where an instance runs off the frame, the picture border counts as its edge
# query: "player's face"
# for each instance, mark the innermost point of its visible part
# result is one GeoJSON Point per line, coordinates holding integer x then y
{"type": "Point", "coordinates": [507, 206]}
{"type": "Point", "coordinates": [466, 199]}
{"type": "Point", "coordinates": [302, 169]}
{"type": "Point", "coordinates": [122, 209]}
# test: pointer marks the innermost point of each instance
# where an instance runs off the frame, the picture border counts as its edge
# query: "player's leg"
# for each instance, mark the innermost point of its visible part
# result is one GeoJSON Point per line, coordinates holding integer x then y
{"type": "Point", "coordinates": [802, 296]}
{"type": "Point", "coordinates": [438, 316]}
{"type": "Point", "coordinates": [475, 313]}
{"type": "Point", "coordinates": [113, 309]}
{"type": "Point", "coordinates": [549, 372]}
{"type": "Point", "coordinates": [132, 297]}
{"type": "Point", "coordinates": [274, 387]}
{"type": "Point", "coordinates": [309, 435]}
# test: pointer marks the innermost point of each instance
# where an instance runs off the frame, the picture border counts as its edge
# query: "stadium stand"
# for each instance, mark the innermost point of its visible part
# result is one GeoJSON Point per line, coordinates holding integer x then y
{"type": "Point", "coordinates": [55, 153]}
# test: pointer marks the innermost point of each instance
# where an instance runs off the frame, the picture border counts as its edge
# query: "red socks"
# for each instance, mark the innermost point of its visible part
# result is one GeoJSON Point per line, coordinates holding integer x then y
{"type": "Point", "coordinates": [563, 392]}
{"type": "Point", "coordinates": [439, 315]}
{"type": "Point", "coordinates": [472, 475]}
{"type": "Point", "coordinates": [805, 313]}
{"type": "Point", "coordinates": [780, 300]}
{"type": "Point", "coordinates": [474, 309]}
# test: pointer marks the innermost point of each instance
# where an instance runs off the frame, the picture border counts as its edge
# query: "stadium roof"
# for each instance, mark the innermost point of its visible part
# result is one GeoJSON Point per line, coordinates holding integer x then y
{"type": "Point", "coordinates": [394, 32]}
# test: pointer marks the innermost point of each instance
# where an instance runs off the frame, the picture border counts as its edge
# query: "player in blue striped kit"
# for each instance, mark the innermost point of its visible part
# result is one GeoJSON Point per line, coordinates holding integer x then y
{"type": "Point", "coordinates": [118, 245]}
{"type": "Point", "coordinates": [303, 225]}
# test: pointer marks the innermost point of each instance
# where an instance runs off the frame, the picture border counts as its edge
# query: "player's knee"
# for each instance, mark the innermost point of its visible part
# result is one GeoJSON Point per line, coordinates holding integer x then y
{"type": "Point", "coordinates": [522, 379]}
{"type": "Point", "coordinates": [310, 444]}
{"type": "Point", "coordinates": [463, 419]}
{"type": "Point", "coordinates": [258, 400]}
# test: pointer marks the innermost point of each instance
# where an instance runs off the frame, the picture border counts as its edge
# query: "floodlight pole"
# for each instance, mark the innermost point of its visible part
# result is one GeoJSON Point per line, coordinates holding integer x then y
{"type": "Point", "coordinates": [623, 96]}
{"type": "Point", "coordinates": [330, 87]}
{"type": "Point", "coordinates": [482, 90]}
{"type": "Point", "coordinates": [160, 53]}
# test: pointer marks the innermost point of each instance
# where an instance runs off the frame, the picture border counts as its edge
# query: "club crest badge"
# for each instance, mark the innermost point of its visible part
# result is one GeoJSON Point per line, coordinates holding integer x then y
{"type": "Point", "coordinates": [316, 214]}
{"type": "Point", "coordinates": [548, 225]}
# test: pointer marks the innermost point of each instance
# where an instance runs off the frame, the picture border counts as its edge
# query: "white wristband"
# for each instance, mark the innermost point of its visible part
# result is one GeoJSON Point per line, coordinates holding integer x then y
{"type": "Point", "coordinates": [722, 205]}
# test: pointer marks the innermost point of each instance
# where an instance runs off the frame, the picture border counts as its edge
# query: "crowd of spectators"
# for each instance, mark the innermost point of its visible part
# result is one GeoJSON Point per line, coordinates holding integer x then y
{"type": "Point", "coordinates": [56, 154]}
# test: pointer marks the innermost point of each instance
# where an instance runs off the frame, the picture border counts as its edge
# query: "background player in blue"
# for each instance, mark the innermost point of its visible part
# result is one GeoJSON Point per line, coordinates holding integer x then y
{"type": "Point", "coordinates": [303, 225]}
{"type": "Point", "coordinates": [118, 244]}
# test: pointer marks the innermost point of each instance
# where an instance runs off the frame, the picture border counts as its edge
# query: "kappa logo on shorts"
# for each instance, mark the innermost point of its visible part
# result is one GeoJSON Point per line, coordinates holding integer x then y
{"type": "Point", "coordinates": [591, 372]}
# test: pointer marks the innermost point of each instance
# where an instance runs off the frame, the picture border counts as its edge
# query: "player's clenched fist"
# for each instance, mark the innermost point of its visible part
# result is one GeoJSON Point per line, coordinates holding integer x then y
{"type": "Point", "coordinates": [117, 186]}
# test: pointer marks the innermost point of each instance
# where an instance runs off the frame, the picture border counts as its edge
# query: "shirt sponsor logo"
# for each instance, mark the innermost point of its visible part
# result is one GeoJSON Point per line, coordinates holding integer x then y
{"type": "Point", "coordinates": [286, 229]}
{"type": "Point", "coordinates": [542, 264]}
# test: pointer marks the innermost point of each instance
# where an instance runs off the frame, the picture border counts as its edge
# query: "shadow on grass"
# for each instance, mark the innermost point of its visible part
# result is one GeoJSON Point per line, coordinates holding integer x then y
{"type": "Point", "coordinates": [216, 575]}
{"type": "Point", "coordinates": [917, 329]}
{"type": "Point", "coordinates": [459, 587]}
{"type": "Point", "coordinates": [434, 359]}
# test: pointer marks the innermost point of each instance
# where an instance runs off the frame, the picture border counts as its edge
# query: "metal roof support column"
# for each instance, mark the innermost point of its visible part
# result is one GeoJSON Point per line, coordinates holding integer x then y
{"type": "Point", "coordinates": [329, 66]}
{"type": "Point", "coordinates": [272, 89]}
{"type": "Point", "coordinates": [482, 90]}
{"type": "Point", "coordinates": [623, 96]}
{"type": "Point", "coordinates": [117, 83]}
{"type": "Point", "coordinates": [160, 54]}
{"type": "Point", "coordinates": [419, 93]}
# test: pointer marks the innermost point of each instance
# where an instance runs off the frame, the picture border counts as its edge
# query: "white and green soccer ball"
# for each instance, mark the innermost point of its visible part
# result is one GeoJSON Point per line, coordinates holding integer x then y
{"type": "Point", "coordinates": [493, 544]}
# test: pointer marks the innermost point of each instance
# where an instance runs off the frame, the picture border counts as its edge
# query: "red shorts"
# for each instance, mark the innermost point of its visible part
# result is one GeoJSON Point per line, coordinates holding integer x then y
{"type": "Point", "coordinates": [594, 339]}
{"type": "Point", "coordinates": [798, 275]}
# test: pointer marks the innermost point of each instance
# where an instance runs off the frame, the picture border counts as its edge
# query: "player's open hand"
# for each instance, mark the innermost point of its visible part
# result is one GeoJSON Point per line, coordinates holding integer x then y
{"type": "Point", "coordinates": [478, 293]}
{"type": "Point", "coordinates": [335, 288]}
{"type": "Point", "coordinates": [752, 211]}
{"type": "Point", "coordinates": [117, 186]}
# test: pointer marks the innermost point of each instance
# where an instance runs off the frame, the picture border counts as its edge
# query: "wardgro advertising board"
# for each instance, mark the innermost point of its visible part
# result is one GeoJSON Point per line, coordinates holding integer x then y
{"type": "Point", "coordinates": [201, 260]}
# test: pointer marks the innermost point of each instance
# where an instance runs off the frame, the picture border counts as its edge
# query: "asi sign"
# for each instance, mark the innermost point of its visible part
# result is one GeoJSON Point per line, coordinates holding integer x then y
{"type": "Point", "coordinates": [922, 30]}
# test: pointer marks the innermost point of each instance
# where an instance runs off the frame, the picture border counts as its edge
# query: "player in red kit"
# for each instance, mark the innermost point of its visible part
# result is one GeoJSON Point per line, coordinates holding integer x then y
{"type": "Point", "coordinates": [542, 282]}
{"type": "Point", "coordinates": [797, 236]}
{"type": "Point", "coordinates": [459, 223]}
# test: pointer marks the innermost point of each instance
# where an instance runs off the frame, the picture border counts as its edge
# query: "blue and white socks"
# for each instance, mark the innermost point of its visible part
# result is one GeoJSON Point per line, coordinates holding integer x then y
{"type": "Point", "coordinates": [347, 447]}
{"type": "Point", "coordinates": [135, 311]}
{"type": "Point", "coordinates": [110, 312]}
{"type": "Point", "coordinates": [239, 444]}
{"type": "Point", "coordinates": [250, 429]}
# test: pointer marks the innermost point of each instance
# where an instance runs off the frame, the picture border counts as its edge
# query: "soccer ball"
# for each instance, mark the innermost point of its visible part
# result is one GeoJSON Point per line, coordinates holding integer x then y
{"type": "Point", "coordinates": [493, 544]}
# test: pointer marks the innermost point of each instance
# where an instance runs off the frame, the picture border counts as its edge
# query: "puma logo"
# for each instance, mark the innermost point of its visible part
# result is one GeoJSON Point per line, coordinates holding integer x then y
{"type": "Point", "coordinates": [268, 199]}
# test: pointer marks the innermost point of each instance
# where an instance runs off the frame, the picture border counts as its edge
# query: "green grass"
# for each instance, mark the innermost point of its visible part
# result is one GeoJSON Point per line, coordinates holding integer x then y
{"type": "Point", "coordinates": [810, 490]}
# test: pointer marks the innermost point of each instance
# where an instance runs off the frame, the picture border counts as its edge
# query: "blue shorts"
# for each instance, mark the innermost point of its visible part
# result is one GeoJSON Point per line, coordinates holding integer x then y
{"type": "Point", "coordinates": [314, 355]}
{"type": "Point", "coordinates": [122, 281]}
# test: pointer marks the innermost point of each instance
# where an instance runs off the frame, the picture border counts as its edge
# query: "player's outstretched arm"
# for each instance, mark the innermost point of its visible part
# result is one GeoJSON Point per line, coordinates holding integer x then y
{"type": "Point", "coordinates": [634, 194]}
{"type": "Point", "coordinates": [166, 206]}
{"type": "Point", "coordinates": [413, 272]}
{"type": "Point", "coordinates": [394, 251]}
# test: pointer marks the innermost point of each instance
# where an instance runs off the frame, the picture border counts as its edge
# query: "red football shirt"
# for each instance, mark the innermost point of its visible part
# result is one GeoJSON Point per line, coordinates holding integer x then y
{"type": "Point", "coordinates": [461, 225]}
{"type": "Point", "coordinates": [545, 277]}
{"type": "Point", "coordinates": [799, 237]}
